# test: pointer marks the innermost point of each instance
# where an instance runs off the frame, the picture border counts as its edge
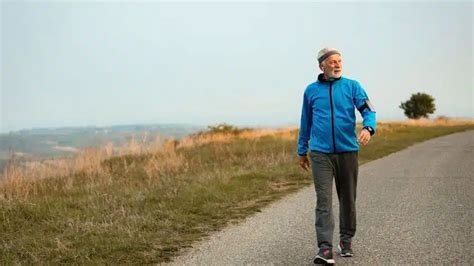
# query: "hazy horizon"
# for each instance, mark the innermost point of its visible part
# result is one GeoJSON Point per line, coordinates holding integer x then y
{"type": "Point", "coordinates": [76, 64]}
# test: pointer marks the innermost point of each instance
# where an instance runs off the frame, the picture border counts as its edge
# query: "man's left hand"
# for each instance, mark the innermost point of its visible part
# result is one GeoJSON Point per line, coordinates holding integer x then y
{"type": "Point", "coordinates": [364, 137]}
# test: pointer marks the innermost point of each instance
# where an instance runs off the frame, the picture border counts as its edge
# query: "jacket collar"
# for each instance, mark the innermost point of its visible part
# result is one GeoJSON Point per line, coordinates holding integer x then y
{"type": "Point", "coordinates": [322, 79]}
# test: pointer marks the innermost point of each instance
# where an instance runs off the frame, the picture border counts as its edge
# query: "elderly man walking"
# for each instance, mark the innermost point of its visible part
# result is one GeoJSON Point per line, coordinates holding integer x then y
{"type": "Point", "coordinates": [328, 124]}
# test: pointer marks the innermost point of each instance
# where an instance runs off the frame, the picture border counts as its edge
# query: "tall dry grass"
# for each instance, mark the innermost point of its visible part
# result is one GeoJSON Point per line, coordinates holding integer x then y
{"type": "Point", "coordinates": [423, 122]}
{"type": "Point", "coordinates": [226, 137]}
{"type": "Point", "coordinates": [21, 179]}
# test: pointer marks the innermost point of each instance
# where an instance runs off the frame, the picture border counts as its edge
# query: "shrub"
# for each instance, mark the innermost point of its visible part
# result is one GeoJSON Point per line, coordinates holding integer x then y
{"type": "Point", "coordinates": [419, 105]}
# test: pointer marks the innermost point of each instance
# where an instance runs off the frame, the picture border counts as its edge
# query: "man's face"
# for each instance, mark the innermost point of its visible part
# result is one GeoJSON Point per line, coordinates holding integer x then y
{"type": "Point", "coordinates": [332, 66]}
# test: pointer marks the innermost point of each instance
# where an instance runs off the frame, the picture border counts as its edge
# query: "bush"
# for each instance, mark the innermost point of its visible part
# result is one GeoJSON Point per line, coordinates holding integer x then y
{"type": "Point", "coordinates": [222, 128]}
{"type": "Point", "coordinates": [419, 105]}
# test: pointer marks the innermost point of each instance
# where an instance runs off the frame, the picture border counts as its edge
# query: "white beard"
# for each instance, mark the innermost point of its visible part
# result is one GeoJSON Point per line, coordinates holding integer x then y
{"type": "Point", "coordinates": [336, 76]}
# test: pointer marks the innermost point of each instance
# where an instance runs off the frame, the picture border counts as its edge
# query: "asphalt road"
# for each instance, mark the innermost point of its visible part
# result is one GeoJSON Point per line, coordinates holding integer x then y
{"type": "Point", "coordinates": [414, 206]}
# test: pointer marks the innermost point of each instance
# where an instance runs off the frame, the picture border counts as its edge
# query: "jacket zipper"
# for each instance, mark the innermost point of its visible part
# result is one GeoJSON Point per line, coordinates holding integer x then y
{"type": "Point", "coordinates": [332, 118]}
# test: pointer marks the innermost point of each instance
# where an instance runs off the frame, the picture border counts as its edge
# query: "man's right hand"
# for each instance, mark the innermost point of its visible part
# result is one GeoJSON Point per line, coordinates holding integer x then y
{"type": "Point", "coordinates": [304, 162]}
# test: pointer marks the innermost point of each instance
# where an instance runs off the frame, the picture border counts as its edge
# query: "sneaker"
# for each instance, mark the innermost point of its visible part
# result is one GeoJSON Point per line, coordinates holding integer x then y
{"type": "Point", "coordinates": [324, 256]}
{"type": "Point", "coordinates": [345, 249]}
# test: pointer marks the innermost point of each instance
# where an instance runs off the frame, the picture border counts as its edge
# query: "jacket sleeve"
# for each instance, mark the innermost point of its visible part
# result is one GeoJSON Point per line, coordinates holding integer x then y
{"type": "Point", "coordinates": [363, 104]}
{"type": "Point", "coordinates": [305, 125]}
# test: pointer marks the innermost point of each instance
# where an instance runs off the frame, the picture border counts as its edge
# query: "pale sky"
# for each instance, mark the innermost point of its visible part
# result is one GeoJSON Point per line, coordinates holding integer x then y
{"type": "Point", "coordinates": [88, 63]}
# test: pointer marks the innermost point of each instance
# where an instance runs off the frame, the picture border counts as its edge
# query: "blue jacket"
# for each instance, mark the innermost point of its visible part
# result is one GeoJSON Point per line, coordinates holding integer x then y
{"type": "Point", "coordinates": [328, 116]}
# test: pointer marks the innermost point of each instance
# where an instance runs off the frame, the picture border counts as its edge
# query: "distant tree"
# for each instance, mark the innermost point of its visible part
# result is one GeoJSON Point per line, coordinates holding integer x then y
{"type": "Point", "coordinates": [419, 105]}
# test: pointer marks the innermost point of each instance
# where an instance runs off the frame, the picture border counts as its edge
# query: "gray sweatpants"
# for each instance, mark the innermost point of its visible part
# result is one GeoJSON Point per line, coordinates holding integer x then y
{"type": "Point", "coordinates": [344, 168]}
